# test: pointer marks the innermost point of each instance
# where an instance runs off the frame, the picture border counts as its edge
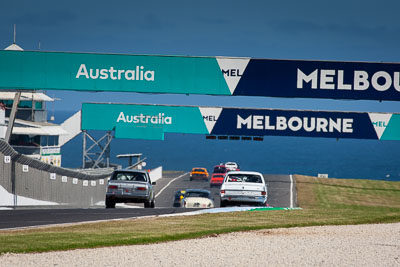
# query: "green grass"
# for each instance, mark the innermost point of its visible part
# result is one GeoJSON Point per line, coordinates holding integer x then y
{"type": "Point", "coordinates": [324, 202]}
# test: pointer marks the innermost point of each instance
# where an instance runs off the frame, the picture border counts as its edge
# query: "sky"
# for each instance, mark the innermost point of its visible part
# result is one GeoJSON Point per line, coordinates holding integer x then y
{"type": "Point", "coordinates": [344, 30]}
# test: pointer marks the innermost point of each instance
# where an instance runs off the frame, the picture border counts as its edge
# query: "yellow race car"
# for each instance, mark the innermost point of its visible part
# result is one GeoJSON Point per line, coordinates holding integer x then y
{"type": "Point", "coordinates": [199, 174]}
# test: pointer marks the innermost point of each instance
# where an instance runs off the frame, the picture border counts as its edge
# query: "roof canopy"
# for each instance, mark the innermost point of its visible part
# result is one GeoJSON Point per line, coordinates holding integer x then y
{"type": "Point", "coordinates": [26, 96]}
{"type": "Point", "coordinates": [14, 47]}
{"type": "Point", "coordinates": [34, 128]}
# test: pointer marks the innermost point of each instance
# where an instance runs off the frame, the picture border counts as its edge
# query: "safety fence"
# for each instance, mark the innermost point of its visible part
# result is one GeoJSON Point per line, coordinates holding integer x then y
{"type": "Point", "coordinates": [26, 181]}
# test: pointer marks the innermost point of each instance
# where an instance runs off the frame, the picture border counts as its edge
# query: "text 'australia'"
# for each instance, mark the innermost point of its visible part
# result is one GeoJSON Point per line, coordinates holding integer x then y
{"type": "Point", "coordinates": [137, 74]}
{"type": "Point", "coordinates": [144, 119]}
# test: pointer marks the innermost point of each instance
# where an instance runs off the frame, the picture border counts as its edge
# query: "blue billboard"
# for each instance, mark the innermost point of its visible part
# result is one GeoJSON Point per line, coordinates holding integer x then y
{"type": "Point", "coordinates": [320, 79]}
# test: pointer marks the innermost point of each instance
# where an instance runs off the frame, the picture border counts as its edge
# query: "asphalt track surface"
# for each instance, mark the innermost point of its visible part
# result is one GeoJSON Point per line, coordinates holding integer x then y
{"type": "Point", "coordinates": [281, 193]}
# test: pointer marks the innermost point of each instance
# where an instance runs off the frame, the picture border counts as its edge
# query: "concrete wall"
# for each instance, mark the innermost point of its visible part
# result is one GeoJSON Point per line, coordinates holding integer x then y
{"type": "Point", "coordinates": [31, 179]}
{"type": "Point", "coordinates": [5, 173]}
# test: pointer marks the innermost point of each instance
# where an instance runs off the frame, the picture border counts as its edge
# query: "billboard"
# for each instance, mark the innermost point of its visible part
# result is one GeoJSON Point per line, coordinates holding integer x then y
{"type": "Point", "coordinates": [140, 121]}
{"type": "Point", "coordinates": [33, 70]}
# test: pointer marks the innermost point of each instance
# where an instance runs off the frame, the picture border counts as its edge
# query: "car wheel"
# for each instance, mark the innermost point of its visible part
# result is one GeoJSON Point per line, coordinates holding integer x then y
{"type": "Point", "coordinates": [153, 204]}
{"type": "Point", "coordinates": [147, 204]}
{"type": "Point", "coordinates": [110, 204]}
{"type": "Point", "coordinates": [223, 204]}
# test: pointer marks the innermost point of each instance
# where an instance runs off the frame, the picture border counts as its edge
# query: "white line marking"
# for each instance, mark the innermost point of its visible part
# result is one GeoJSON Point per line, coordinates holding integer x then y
{"type": "Point", "coordinates": [69, 224]}
{"type": "Point", "coordinates": [291, 191]}
{"type": "Point", "coordinates": [170, 183]}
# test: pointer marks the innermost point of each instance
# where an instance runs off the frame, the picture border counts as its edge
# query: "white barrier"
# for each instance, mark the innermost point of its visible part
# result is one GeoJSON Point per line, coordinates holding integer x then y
{"type": "Point", "coordinates": [3, 126]}
{"type": "Point", "coordinates": [8, 200]}
{"type": "Point", "coordinates": [72, 126]}
{"type": "Point", "coordinates": [156, 174]}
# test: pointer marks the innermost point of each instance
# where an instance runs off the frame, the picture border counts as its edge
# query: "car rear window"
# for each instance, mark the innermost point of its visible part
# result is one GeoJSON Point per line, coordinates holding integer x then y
{"type": "Point", "coordinates": [197, 194]}
{"type": "Point", "coordinates": [129, 176]}
{"type": "Point", "coordinates": [218, 176]}
{"type": "Point", "coordinates": [219, 170]}
{"type": "Point", "coordinates": [198, 170]}
{"type": "Point", "coordinates": [240, 178]}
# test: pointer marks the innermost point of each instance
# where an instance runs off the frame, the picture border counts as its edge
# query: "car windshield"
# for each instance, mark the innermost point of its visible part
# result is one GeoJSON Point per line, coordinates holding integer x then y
{"type": "Point", "coordinates": [129, 176]}
{"type": "Point", "coordinates": [247, 178]}
{"type": "Point", "coordinates": [197, 194]}
{"type": "Point", "coordinates": [198, 170]}
{"type": "Point", "coordinates": [219, 170]}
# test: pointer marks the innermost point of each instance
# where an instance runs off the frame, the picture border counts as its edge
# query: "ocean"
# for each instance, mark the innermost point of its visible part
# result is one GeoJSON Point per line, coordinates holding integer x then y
{"type": "Point", "coordinates": [344, 158]}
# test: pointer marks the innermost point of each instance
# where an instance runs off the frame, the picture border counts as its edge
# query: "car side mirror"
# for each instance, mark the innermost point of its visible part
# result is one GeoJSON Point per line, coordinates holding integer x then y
{"type": "Point", "coordinates": [153, 183]}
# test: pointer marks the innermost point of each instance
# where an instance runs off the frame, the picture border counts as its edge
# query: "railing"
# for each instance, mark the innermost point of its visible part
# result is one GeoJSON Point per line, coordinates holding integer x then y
{"type": "Point", "coordinates": [28, 150]}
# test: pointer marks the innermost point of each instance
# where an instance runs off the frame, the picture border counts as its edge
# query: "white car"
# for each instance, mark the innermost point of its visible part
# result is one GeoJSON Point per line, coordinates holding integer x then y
{"type": "Point", "coordinates": [233, 166]}
{"type": "Point", "coordinates": [130, 186]}
{"type": "Point", "coordinates": [243, 188]}
{"type": "Point", "coordinates": [197, 198]}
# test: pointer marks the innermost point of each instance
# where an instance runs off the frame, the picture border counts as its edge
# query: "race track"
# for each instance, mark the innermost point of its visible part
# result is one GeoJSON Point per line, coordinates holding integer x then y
{"type": "Point", "coordinates": [281, 193]}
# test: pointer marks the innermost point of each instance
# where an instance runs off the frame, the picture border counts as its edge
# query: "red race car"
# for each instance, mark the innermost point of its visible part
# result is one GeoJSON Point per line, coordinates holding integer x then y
{"type": "Point", "coordinates": [218, 175]}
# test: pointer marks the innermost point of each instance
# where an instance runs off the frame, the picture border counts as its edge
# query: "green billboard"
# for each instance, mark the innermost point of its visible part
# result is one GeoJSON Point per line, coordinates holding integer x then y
{"type": "Point", "coordinates": [142, 121]}
{"type": "Point", "coordinates": [29, 70]}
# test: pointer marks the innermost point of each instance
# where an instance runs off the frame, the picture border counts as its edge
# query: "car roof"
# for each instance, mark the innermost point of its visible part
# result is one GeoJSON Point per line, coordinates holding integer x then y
{"type": "Point", "coordinates": [245, 172]}
{"type": "Point", "coordinates": [221, 166]}
{"type": "Point", "coordinates": [130, 170]}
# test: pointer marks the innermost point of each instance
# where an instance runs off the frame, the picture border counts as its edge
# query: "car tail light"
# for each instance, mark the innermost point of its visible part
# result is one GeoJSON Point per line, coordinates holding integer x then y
{"type": "Point", "coordinates": [141, 188]}
{"type": "Point", "coordinates": [263, 193]}
{"type": "Point", "coordinates": [112, 187]}
{"type": "Point", "coordinates": [222, 191]}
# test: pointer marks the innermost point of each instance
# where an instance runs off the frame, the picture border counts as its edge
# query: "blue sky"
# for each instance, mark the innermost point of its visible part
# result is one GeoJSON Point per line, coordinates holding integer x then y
{"type": "Point", "coordinates": [312, 30]}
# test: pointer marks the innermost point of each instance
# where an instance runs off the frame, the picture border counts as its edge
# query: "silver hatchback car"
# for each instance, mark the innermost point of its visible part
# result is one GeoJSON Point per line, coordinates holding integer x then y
{"type": "Point", "coordinates": [130, 186]}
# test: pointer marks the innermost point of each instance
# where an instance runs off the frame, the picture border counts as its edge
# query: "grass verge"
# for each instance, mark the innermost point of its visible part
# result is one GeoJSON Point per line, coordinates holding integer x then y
{"type": "Point", "coordinates": [324, 202]}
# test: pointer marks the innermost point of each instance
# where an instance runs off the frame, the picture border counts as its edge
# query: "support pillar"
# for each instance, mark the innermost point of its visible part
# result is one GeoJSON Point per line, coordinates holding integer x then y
{"type": "Point", "coordinates": [97, 153]}
{"type": "Point", "coordinates": [12, 116]}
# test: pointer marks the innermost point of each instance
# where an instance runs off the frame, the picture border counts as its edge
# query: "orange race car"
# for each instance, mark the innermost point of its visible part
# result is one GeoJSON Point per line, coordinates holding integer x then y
{"type": "Point", "coordinates": [199, 174]}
